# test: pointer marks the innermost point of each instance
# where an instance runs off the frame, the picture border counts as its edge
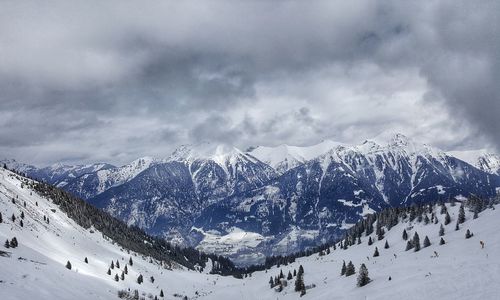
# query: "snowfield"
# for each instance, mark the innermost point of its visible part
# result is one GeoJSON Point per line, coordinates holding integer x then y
{"type": "Point", "coordinates": [36, 268]}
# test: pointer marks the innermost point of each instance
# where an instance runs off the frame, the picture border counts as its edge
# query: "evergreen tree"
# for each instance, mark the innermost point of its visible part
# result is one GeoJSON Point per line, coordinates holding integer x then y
{"type": "Point", "coordinates": [117, 264]}
{"type": "Point", "coordinates": [441, 242]}
{"type": "Point", "coordinates": [370, 242]}
{"type": "Point", "coordinates": [1, 219]}
{"type": "Point", "coordinates": [140, 279]}
{"type": "Point", "coordinates": [112, 264]}
{"type": "Point", "coordinates": [301, 269]}
{"type": "Point", "coordinates": [386, 246]}
{"type": "Point", "coordinates": [152, 279]}
{"type": "Point", "coordinates": [13, 218]}
{"type": "Point", "coordinates": [375, 254]}
{"type": "Point", "coordinates": [294, 272]}
{"type": "Point", "coordinates": [21, 223]}
{"type": "Point", "coordinates": [122, 277]}
{"type": "Point", "coordinates": [281, 274]}
{"type": "Point", "coordinates": [22, 215]}
{"type": "Point", "coordinates": [68, 265]}
{"type": "Point", "coordinates": [416, 242]}
{"type": "Point", "coordinates": [468, 234]}
{"type": "Point", "coordinates": [359, 240]}
{"type": "Point", "coordinates": [289, 276]}
{"type": "Point", "coordinates": [350, 270]}
{"type": "Point", "coordinates": [343, 270]}
{"type": "Point", "coordinates": [447, 219]}
{"type": "Point", "coordinates": [116, 277]}
{"type": "Point", "coordinates": [161, 293]}
{"type": "Point", "coordinates": [7, 244]}
{"type": "Point", "coordinates": [441, 230]}
{"type": "Point", "coordinates": [363, 278]}
{"type": "Point", "coordinates": [457, 227]}
{"type": "Point", "coordinates": [409, 245]}
{"type": "Point", "coordinates": [271, 282]}
{"type": "Point", "coordinates": [109, 271]}
{"type": "Point", "coordinates": [125, 269]}
{"type": "Point", "coordinates": [427, 243]}
{"type": "Point", "coordinates": [405, 235]}
{"type": "Point", "coordinates": [130, 262]}
{"type": "Point", "coordinates": [461, 214]}
{"type": "Point", "coordinates": [86, 260]}
{"type": "Point", "coordinates": [13, 242]}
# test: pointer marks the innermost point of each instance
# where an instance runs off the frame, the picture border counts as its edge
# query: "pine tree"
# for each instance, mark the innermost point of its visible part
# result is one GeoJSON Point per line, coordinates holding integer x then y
{"type": "Point", "coordinates": [13, 242]}
{"type": "Point", "coordinates": [13, 218]}
{"type": "Point", "coordinates": [140, 279]}
{"type": "Point", "coordinates": [416, 242]}
{"type": "Point", "coordinates": [441, 242]}
{"type": "Point", "coordinates": [409, 245]}
{"type": "Point", "coordinates": [457, 227]}
{"type": "Point", "coordinates": [461, 214]}
{"type": "Point", "coordinates": [109, 271]}
{"type": "Point", "coordinates": [375, 254]}
{"type": "Point", "coordinates": [116, 277]}
{"type": "Point", "coordinates": [117, 264]}
{"type": "Point", "coordinates": [281, 274]}
{"type": "Point", "coordinates": [68, 265]}
{"type": "Point", "coordinates": [370, 242]}
{"type": "Point", "coordinates": [125, 269]}
{"type": "Point", "coordinates": [343, 270]}
{"type": "Point", "coordinates": [294, 272]}
{"type": "Point", "coordinates": [112, 264]}
{"type": "Point", "coordinates": [152, 279]}
{"type": "Point", "coordinates": [7, 244]}
{"type": "Point", "coordinates": [21, 223]}
{"type": "Point", "coordinates": [350, 270]}
{"type": "Point", "coordinates": [271, 282]}
{"type": "Point", "coordinates": [289, 276]}
{"type": "Point", "coordinates": [1, 219]}
{"type": "Point", "coordinates": [363, 278]}
{"type": "Point", "coordinates": [441, 230]}
{"type": "Point", "coordinates": [405, 235]}
{"type": "Point", "coordinates": [22, 215]}
{"type": "Point", "coordinates": [301, 269]}
{"type": "Point", "coordinates": [386, 246]}
{"type": "Point", "coordinates": [427, 243]}
{"type": "Point", "coordinates": [161, 293]}
{"type": "Point", "coordinates": [447, 219]}
{"type": "Point", "coordinates": [468, 234]}
{"type": "Point", "coordinates": [130, 262]}
{"type": "Point", "coordinates": [86, 260]}
{"type": "Point", "coordinates": [122, 277]}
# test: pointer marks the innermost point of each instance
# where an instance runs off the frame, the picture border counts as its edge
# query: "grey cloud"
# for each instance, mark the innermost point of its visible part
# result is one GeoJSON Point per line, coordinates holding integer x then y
{"type": "Point", "coordinates": [113, 81]}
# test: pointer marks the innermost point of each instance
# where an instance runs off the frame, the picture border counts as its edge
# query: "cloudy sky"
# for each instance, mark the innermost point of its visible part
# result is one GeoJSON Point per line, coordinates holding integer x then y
{"type": "Point", "coordinates": [84, 81]}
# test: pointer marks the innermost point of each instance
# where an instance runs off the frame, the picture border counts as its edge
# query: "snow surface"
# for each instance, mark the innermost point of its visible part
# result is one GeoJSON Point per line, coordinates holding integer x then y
{"type": "Point", "coordinates": [36, 269]}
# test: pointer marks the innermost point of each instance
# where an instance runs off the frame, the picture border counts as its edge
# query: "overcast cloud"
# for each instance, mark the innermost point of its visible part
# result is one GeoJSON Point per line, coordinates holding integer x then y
{"type": "Point", "coordinates": [84, 81]}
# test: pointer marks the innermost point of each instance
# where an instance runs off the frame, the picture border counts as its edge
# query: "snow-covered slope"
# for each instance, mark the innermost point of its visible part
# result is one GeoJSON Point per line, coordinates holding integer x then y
{"type": "Point", "coordinates": [461, 268]}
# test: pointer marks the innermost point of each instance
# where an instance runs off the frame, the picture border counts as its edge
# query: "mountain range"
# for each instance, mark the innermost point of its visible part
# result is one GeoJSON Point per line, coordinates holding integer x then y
{"type": "Point", "coordinates": [271, 200]}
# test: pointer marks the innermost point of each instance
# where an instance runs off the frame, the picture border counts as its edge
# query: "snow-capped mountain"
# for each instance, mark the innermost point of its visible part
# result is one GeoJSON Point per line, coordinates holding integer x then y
{"type": "Point", "coordinates": [168, 196]}
{"type": "Point", "coordinates": [57, 174]}
{"type": "Point", "coordinates": [37, 268]}
{"type": "Point", "coordinates": [277, 200]}
{"type": "Point", "coordinates": [90, 184]}
{"type": "Point", "coordinates": [284, 157]}
{"type": "Point", "coordinates": [316, 200]}
{"type": "Point", "coordinates": [482, 159]}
